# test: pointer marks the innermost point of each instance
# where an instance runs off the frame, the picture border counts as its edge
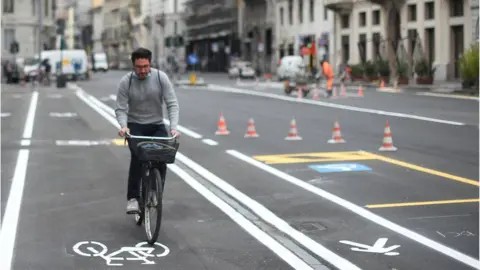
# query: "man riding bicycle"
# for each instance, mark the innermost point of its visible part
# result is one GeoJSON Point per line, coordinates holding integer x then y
{"type": "Point", "coordinates": [139, 111]}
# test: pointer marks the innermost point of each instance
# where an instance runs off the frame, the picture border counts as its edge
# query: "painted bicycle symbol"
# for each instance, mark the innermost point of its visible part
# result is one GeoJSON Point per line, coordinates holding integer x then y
{"type": "Point", "coordinates": [140, 252]}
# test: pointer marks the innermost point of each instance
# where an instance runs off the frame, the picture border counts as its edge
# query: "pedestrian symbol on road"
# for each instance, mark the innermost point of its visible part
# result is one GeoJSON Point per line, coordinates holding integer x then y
{"type": "Point", "coordinates": [378, 247]}
{"type": "Point", "coordinates": [140, 252]}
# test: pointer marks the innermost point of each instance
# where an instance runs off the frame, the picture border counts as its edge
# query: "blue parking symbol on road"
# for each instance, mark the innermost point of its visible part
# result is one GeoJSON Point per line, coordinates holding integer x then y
{"type": "Point", "coordinates": [339, 167]}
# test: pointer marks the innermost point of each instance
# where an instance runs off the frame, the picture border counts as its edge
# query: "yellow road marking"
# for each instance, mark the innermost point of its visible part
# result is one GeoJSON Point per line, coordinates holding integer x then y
{"type": "Point", "coordinates": [421, 203]}
{"type": "Point", "coordinates": [423, 169]}
{"type": "Point", "coordinates": [119, 142]}
{"type": "Point", "coordinates": [313, 157]}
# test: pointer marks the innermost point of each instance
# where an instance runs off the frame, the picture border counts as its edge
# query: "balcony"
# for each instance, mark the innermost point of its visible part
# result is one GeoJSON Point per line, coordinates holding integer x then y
{"type": "Point", "coordinates": [341, 6]}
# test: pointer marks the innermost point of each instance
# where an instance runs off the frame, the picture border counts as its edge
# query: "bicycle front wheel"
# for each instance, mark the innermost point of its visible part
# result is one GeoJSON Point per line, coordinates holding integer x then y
{"type": "Point", "coordinates": [153, 206]}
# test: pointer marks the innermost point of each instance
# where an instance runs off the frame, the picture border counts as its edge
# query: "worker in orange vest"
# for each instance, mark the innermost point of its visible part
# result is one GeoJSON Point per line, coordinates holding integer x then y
{"type": "Point", "coordinates": [327, 71]}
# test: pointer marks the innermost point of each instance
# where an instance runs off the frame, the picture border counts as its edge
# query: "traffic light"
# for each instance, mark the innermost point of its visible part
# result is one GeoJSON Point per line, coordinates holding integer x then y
{"type": "Point", "coordinates": [14, 47]}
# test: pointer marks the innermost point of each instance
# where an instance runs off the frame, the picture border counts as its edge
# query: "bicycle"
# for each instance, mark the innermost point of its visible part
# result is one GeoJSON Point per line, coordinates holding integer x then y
{"type": "Point", "coordinates": [151, 151]}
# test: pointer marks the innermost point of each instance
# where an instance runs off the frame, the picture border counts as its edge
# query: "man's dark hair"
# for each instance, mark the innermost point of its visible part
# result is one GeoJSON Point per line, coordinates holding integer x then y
{"type": "Point", "coordinates": [141, 53]}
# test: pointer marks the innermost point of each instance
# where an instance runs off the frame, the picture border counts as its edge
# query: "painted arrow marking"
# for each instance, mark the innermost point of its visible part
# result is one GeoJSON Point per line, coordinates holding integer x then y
{"type": "Point", "coordinates": [378, 247]}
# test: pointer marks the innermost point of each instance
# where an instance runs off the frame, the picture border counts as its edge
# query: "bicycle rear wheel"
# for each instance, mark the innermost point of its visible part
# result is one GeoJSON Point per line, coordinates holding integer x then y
{"type": "Point", "coordinates": [153, 205]}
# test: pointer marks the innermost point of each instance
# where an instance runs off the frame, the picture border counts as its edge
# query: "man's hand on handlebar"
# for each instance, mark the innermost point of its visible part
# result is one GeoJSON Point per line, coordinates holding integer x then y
{"type": "Point", "coordinates": [174, 132]}
{"type": "Point", "coordinates": [124, 131]}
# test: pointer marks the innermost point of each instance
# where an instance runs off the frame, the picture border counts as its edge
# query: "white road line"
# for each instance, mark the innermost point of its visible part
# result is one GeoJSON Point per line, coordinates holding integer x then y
{"type": "Point", "coordinates": [28, 129]}
{"type": "Point", "coordinates": [268, 216]}
{"type": "Point", "coordinates": [8, 231]}
{"type": "Point", "coordinates": [227, 89]}
{"type": "Point", "coordinates": [209, 142]}
{"type": "Point", "coordinates": [447, 96]}
{"type": "Point", "coordinates": [454, 254]}
{"type": "Point", "coordinates": [246, 224]}
{"type": "Point", "coordinates": [254, 206]}
{"type": "Point", "coordinates": [111, 111]}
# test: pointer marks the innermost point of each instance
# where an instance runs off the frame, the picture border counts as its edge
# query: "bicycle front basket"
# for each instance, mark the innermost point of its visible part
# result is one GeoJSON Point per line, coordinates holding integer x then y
{"type": "Point", "coordinates": [157, 150]}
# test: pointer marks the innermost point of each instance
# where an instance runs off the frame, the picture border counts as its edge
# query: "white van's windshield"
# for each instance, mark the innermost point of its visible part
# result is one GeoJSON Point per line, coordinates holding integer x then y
{"type": "Point", "coordinates": [31, 61]}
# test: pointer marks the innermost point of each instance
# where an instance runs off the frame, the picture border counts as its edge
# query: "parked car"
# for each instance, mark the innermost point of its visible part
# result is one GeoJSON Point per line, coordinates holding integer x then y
{"type": "Point", "coordinates": [241, 69]}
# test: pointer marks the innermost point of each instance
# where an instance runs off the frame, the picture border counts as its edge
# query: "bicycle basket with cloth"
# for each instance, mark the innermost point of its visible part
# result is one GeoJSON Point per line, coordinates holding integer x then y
{"type": "Point", "coordinates": [159, 150]}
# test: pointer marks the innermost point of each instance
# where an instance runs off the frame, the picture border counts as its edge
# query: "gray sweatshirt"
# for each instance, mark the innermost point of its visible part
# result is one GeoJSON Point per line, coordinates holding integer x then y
{"type": "Point", "coordinates": [143, 102]}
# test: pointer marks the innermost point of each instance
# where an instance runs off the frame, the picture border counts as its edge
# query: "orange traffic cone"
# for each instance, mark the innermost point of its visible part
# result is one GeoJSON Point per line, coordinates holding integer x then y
{"type": "Point", "coordinates": [382, 84]}
{"type": "Point", "coordinates": [343, 91]}
{"type": "Point", "coordinates": [315, 94]}
{"type": "Point", "coordinates": [360, 91]}
{"type": "Point", "coordinates": [222, 126]}
{"type": "Point", "coordinates": [336, 134]}
{"type": "Point", "coordinates": [251, 132]}
{"type": "Point", "coordinates": [299, 92]}
{"type": "Point", "coordinates": [293, 134]}
{"type": "Point", "coordinates": [387, 140]}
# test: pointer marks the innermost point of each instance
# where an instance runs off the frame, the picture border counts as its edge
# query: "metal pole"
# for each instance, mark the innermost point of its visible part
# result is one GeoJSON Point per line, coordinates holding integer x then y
{"type": "Point", "coordinates": [240, 10]}
{"type": "Point", "coordinates": [39, 34]}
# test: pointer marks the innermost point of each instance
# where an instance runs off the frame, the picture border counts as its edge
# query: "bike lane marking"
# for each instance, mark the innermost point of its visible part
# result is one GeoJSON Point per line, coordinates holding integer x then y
{"type": "Point", "coordinates": [8, 231]}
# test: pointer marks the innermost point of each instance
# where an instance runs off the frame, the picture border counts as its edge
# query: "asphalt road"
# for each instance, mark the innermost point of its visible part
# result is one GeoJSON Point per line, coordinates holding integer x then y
{"type": "Point", "coordinates": [245, 203]}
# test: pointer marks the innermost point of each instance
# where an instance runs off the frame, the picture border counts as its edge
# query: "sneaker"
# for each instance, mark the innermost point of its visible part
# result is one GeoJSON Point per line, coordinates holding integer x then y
{"type": "Point", "coordinates": [132, 206]}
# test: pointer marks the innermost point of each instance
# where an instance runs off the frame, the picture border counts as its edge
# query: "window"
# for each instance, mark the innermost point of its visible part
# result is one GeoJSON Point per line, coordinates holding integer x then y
{"type": "Point", "coordinates": [412, 13]}
{"type": "Point", "coordinates": [376, 46]}
{"type": "Point", "coordinates": [345, 21]}
{"type": "Point", "coordinates": [345, 48]}
{"type": "Point", "coordinates": [429, 10]}
{"type": "Point", "coordinates": [300, 11]}
{"type": "Point", "coordinates": [8, 6]}
{"type": "Point", "coordinates": [362, 19]}
{"type": "Point", "coordinates": [290, 12]}
{"type": "Point", "coordinates": [325, 14]}
{"type": "Point", "coordinates": [430, 43]}
{"type": "Point", "coordinates": [456, 8]}
{"type": "Point", "coordinates": [175, 5]}
{"type": "Point", "coordinates": [281, 16]}
{"type": "Point", "coordinates": [8, 38]}
{"type": "Point", "coordinates": [376, 17]}
{"type": "Point", "coordinates": [312, 10]}
{"type": "Point", "coordinates": [362, 47]}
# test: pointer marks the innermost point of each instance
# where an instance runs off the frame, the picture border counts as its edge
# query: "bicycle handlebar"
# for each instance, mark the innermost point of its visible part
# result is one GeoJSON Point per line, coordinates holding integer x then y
{"type": "Point", "coordinates": [128, 135]}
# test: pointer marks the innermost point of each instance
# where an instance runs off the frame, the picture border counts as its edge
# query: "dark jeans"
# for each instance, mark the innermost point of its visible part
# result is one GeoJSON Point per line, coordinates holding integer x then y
{"type": "Point", "coordinates": [135, 171]}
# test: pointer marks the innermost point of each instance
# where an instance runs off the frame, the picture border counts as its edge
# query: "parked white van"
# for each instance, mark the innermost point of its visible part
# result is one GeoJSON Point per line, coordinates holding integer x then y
{"type": "Point", "coordinates": [70, 58]}
{"type": "Point", "coordinates": [100, 62]}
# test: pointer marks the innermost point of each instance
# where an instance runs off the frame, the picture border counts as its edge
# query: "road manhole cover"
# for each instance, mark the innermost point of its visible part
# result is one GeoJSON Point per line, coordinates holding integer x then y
{"type": "Point", "coordinates": [309, 226]}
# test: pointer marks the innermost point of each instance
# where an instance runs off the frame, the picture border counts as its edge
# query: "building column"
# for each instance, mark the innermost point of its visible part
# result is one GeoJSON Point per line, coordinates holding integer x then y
{"type": "Point", "coordinates": [442, 39]}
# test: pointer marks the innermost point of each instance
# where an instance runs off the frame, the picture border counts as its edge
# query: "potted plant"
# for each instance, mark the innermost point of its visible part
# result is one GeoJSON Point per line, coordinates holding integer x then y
{"type": "Point", "coordinates": [402, 72]}
{"type": "Point", "coordinates": [383, 69]}
{"type": "Point", "coordinates": [357, 72]}
{"type": "Point", "coordinates": [370, 71]}
{"type": "Point", "coordinates": [424, 71]}
{"type": "Point", "coordinates": [469, 68]}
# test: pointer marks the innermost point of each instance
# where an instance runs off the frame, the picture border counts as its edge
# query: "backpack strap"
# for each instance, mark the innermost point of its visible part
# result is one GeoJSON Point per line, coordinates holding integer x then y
{"type": "Point", "coordinates": [160, 82]}
{"type": "Point", "coordinates": [130, 81]}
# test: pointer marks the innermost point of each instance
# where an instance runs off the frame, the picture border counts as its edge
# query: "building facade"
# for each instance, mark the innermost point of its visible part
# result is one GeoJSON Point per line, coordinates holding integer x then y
{"type": "Point", "coordinates": [174, 30]}
{"type": "Point", "coordinates": [305, 23]}
{"type": "Point", "coordinates": [439, 30]}
{"type": "Point", "coordinates": [97, 25]}
{"type": "Point", "coordinates": [20, 22]}
{"type": "Point", "coordinates": [257, 34]}
{"type": "Point", "coordinates": [119, 35]}
{"type": "Point", "coordinates": [212, 32]}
